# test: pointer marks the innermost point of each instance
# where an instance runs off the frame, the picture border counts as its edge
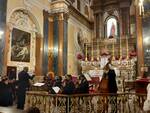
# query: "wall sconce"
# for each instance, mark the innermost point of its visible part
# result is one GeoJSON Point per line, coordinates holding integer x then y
{"type": "Point", "coordinates": [1, 33]}
{"type": "Point", "coordinates": [50, 52]}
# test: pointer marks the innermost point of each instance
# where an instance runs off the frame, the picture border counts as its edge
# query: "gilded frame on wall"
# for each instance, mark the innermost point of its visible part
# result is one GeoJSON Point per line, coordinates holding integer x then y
{"type": "Point", "coordinates": [20, 45]}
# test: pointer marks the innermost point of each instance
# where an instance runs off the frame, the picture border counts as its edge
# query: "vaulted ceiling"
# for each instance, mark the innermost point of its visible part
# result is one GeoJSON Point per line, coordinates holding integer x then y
{"type": "Point", "coordinates": [105, 5]}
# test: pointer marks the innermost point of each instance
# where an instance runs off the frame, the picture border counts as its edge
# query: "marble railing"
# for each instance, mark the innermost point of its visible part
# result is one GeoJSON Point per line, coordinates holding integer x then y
{"type": "Point", "coordinates": [87, 103]}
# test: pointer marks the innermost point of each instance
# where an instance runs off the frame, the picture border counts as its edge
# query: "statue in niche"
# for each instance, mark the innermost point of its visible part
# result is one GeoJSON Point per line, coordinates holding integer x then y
{"type": "Point", "coordinates": [112, 27]}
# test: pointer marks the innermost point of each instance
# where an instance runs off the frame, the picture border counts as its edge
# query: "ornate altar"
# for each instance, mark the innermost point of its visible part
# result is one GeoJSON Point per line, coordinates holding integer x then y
{"type": "Point", "coordinates": [96, 58]}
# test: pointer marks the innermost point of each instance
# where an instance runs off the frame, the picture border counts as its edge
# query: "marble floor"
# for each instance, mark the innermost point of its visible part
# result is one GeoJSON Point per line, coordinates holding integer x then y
{"type": "Point", "coordinates": [10, 110]}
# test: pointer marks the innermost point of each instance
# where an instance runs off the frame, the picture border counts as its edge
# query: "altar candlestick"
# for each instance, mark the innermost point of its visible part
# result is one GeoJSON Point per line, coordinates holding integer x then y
{"type": "Point", "coordinates": [120, 49]}
{"type": "Point", "coordinates": [92, 52]}
{"type": "Point", "coordinates": [127, 47]}
{"type": "Point", "coordinates": [85, 51]}
{"type": "Point", "coordinates": [113, 50]}
{"type": "Point", "coordinates": [97, 50]}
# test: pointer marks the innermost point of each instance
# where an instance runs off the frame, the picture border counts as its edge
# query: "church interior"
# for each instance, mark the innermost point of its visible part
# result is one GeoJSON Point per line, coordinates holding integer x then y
{"type": "Point", "coordinates": [42, 41]}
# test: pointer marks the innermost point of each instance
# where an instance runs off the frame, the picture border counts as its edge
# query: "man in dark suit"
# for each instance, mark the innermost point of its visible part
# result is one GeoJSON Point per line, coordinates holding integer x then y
{"type": "Point", "coordinates": [23, 86]}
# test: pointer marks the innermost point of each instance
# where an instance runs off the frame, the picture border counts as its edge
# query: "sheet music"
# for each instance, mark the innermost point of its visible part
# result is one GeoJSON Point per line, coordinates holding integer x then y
{"type": "Point", "coordinates": [56, 89]}
{"type": "Point", "coordinates": [38, 84]}
{"type": "Point", "coordinates": [87, 76]}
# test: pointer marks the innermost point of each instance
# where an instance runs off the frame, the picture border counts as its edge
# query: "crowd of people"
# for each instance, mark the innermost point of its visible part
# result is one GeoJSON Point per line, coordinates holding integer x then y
{"type": "Point", "coordinates": [12, 89]}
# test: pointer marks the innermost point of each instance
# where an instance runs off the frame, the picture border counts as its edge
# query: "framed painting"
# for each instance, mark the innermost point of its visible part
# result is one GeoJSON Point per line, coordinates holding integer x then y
{"type": "Point", "coordinates": [20, 45]}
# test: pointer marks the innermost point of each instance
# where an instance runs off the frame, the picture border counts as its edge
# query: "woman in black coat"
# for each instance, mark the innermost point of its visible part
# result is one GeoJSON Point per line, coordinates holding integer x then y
{"type": "Point", "coordinates": [6, 98]}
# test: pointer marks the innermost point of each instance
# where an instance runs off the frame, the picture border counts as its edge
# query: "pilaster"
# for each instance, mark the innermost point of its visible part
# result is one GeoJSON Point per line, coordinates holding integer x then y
{"type": "Point", "coordinates": [140, 52]}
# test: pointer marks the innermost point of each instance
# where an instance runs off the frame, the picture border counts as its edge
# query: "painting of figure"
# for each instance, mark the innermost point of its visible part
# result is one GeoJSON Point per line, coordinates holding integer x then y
{"type": "Point", "coordinates": [112, 27]}
{"type": "Point", "coordinates": [20, 45]}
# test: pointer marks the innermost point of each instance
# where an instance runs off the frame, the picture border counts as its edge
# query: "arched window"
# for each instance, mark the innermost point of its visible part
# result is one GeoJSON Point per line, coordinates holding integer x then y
{"type": "Point", "coordinates": [111, 27]}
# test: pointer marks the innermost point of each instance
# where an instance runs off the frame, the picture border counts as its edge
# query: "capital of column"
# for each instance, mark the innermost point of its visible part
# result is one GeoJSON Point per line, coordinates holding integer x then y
{"type": "Point", "coordinates": [59, 6]}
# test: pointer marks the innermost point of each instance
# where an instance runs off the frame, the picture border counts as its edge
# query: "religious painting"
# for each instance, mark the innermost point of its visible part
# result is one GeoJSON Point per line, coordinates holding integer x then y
{"type": "Point", "coordinates": [20, 45]}
{"type": "Point", "coordinates": [111, 27]}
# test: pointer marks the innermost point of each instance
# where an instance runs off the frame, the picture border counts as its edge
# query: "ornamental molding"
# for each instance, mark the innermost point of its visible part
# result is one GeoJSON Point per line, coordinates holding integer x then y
{"type": "Point", "coordinates": [21, 19]}
{"type": "Point", "coordinates": [37, 3]}
{"type": "Point", "coordinates": [57, 6]}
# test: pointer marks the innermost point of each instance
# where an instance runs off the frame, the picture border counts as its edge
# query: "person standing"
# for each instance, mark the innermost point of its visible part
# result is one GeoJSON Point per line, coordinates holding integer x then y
{"type": "Point", "coordinates": [23, 86]}
{"type": "Point", "coordinates": [12, 81]}
{"type": "Point", "coordinates": [112, 86]}
{"type": "Point", "coordinates": [6, 98]}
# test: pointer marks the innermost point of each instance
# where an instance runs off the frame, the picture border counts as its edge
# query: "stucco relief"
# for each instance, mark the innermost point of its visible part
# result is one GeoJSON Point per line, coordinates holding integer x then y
{"type": "Point", "coordinates": [21, 20]}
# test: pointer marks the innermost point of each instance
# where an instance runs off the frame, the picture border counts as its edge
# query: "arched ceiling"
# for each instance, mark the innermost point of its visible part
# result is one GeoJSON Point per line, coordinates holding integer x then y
{"type": "Point", "coordinates": [103, 5]}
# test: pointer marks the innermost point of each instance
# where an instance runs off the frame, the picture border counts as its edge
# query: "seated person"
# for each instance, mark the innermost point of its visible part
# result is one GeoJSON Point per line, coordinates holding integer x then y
{"type": "Point", "coordinates": [48, 80]}
{"type": "Point", "coordinates": [83, 86]}
{"type": "Point", "coordinates": [57, 83]}
{"type": "Point", "coordinates": [33, 110]}
{"type": "Point", "coordinates": [68, 86]}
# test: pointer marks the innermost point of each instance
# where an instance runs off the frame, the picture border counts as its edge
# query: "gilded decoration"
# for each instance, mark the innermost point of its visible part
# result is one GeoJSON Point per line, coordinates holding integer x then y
{"type": "Point", "coordinates": [58, 7]}
{"type": "Point", "coordinates": [89, 103]}
{"type": "Point", "coordinates": [51, 19]}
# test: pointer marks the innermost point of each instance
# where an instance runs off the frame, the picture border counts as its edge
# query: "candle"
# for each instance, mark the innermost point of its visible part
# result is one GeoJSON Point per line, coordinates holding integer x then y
{"type": "Point", "coordinates": [113, 50]}
{"type": "Point", "coordinates": [127, 46]}
{"type": "Point", "coordinates": [120, 49]}
{"type": "Point", "coordinates": [85, 51]}
{"type": "Point", "coordinates": [92, 52]}
{"type": "Point", "coordinates": [97, 50]}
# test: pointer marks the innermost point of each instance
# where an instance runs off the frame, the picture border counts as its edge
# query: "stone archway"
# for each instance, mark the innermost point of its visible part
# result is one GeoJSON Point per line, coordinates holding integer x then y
{"type": "Point", "coordinates": [22, 23]}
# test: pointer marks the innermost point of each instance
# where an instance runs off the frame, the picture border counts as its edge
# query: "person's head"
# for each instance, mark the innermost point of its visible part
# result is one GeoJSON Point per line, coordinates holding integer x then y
{"type": "Point", "coordinates": [5, 79]}
{"type": "Point", "coordinates": [33, 110]}
{"type": "Point", "coordinates": [106, 67]}
{"type": "Point", "coordinates": [50, 75]}
{"type": "Point", "coordinates": [58, 78]}
{"type": "Point", "coordinates": [25, 69]}
{"type": "Point", "coordinates": [68, 77]}
{"type": "Point", "coordinates": [82, 77]}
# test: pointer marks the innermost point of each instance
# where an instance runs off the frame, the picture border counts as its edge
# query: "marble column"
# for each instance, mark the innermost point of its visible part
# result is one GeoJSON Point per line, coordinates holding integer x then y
{"type": "Point", "coordinates": [38, 52]}
{"type": "Point", "coordinates": [51, 43]}
{"type": "Point", "coordinates": [140, 52]}
{"type": "Point", "coordinates": [3, 9]}
{"type": "Point", "coordinates": [125, 21]}
{"type": "Point", "coordinates": [60, 44]}
{"type": "Point", "coordinates": [101, 25]}
{"type": "Point", "coordinates": [57, 43]}
{"type": "Point", "coordinates": [45, 44]}
{"type": "Point", "coordinates": [96, 25]}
